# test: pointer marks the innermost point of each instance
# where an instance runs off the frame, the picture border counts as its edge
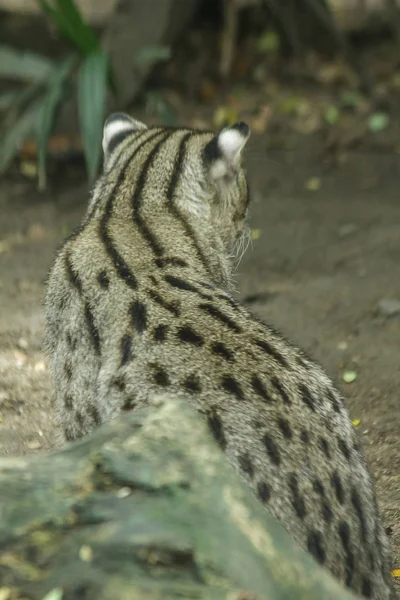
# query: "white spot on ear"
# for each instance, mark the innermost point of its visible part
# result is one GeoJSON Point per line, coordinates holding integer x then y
{"type": "Point", "coordinates": [231, 142]}
{"type": "Point", "coordinates": [118, 123]}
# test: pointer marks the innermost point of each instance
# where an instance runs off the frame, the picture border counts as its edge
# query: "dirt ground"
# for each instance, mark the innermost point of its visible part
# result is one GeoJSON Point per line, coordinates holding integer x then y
{"type": "Point", "coordinates": [323, 262]}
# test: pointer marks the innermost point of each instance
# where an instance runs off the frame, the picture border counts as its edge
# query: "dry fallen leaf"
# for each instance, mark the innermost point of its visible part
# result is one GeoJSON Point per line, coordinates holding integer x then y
{"type": "Point", "coordinates": [356, 422]}
{"type": "Point", "coordinates": [255, 234]}
{"type": "Point", "coordinates": [396, 573]}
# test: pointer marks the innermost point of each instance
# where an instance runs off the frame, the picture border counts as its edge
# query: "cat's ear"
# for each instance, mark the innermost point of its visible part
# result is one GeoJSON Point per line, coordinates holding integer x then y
{"type": "Point", "coordinates": [223, 152]}
{"type": "Point", "coordinates": [116, 128]}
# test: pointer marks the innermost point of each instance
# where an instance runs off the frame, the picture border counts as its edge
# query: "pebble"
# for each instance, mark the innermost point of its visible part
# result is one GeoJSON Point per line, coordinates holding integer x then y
{"type": "Point", "coordinates": [389, 307]}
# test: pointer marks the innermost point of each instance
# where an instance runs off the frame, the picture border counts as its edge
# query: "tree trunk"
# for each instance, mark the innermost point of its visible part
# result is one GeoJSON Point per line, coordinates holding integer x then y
{"type": "Point", "coordinates": [146, 507]}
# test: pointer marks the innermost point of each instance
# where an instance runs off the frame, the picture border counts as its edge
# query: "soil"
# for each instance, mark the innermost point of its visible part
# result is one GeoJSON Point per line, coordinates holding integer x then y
{"type": "Point", "coordinates": [323, 262]}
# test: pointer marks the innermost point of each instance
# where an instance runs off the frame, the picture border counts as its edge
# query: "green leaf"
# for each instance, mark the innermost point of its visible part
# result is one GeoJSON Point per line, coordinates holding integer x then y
{"type": "Point", "coordinates": [47, 113]}
{"type": "Point", "coordinates": [92, 91]}
{"type": "Point", "coordinates": [24, 65]}
{"type": "Point", "coordinates": [17, 133]}
{"type": "Point", "coordinates": [68, 20]}
{"type": "Point", "coordinates": [152, 54]}
{"type": "Point", "coordinates": [331, 115]}
{"type": "Point", "coordinates": [378, 121]}
{"type": "Point", "coordinates": [84, 35]}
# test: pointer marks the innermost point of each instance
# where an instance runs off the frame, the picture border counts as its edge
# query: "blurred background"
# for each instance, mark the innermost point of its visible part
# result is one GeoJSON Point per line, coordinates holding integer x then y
{"type": "Point", "coordinates": [318, 81]}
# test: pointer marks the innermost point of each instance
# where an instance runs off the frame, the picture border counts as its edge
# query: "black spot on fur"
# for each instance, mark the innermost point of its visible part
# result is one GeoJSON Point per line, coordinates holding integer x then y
{"type": "Point", "coordinates": [171, 260]}
{"type": "Point", "coordinates": [305, 438]}
{"type": "Point", "coordinates": [160, 332]}
{"type": "Point", "coordinates": [153, 280]}
{"type": "Point", "coordinates": [371, 561]}
{"type": "Point", "coordinates": [93, 331]}
{"type": "Point", "coordinates": [208, 286]}
{"type": "Point", "coordinates": [263, 492]}
{"type": "Point", "coordinates": [344, 534]}
{"type": "Point", "coordinates": [79, 419]}
{"type": "Point", "coordinates": [126, 349]}
{"type": "Point", "coordinates": [189, 335]}
{"type": "Point", "coordinates": [357, 505]}
{"type": "Point", "coordinates": [296, 498]}
{"type": "Point", "coordinates": [280, 390]}
{"type": "Point", "coordinates": [160, 376]}
{"type": "Point", "coordinates": [259, 388]}
{"type": "Point", "coordinates": [69, 436]}
{"type": "Point", "coordinates": [284, 426]}
{"type": "Point", "coordinates": [334, 401]}
{"type": "Point", "coordinates": [326, 511]}
{"type": "Point", "coordinates": [192, 384]}
{"type": "Point", "coordinates": [181, 284]}
{"type": "Point", "coordinates": [119, 383]}
{"type": "Point", "coordinates": [171, 307]}
{"type": "Point", "coordinates": [215, 424]}
{"type": "Point", "coordinates": [214, 312]}
{"type": "Point", "coordinates": [318, 486]}
{"type": "Point", "coordinates": [72, 275]}
{"type": "Point", "coordinates": [138, 313]}
{"type": "Point", "coordinates": [129, 404]}
{"type": "Point", "coordinates": [324, 446]}
{"type": "Point", "coordinates": [68, 369]}
{"type": "Point", "coordinates": [366, 588]}
{"type": "Point", "coordinates": [315, 546]}
{"type": "Point", "coordinates": [306, 396]}
{"type": "Point", "coordinates": [68, 402]}
{"type": "Point", "coordinates": [273, 352]}
{"type": "Point", "coordinates": [337, 486]}
{"type": "Point", "coordinates": [103, 280]}
{"type": "Point", "coordinates": [71, 341]}
{"type": "Point", "coordinates": [344, 449]}
{"type": "Point", "coordinates": [220, 349]}
{"type": "Point", "coordinates": [230, 385]}
{"type": "Point", "coordinates": [272, 449]}
{"type": "Point", "coordinates": [94, 414]}
{"type": "Point", "coordinates": [246, 465]}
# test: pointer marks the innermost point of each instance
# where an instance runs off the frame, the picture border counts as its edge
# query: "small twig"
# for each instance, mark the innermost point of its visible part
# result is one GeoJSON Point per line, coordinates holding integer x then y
{"type": "Point", "coordinates": [229, 36]}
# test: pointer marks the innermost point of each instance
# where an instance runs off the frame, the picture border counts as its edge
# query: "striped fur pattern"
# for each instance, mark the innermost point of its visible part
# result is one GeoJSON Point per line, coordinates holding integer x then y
{"type": "Point", "coordinates": [140, 300]}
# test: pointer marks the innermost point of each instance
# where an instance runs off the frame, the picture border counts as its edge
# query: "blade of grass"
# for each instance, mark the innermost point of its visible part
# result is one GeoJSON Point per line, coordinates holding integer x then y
{"type": "Point", "coordinates": [87, 38]}
{"type": "Point", "coordinates": [92, 91]}
{"type": "Point", "coordinates": [47, 114]}
{"type": "Point", "coordinates": [24, 65]}
{"type": "Point", "coordinates": [12, 137]}
{"type": "Point", "coordinates": [66, 17]}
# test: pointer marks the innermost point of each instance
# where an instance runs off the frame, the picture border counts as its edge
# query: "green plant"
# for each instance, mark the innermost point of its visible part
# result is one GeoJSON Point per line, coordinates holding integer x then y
{"type": "Point", "coordinates": [47, 83]}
